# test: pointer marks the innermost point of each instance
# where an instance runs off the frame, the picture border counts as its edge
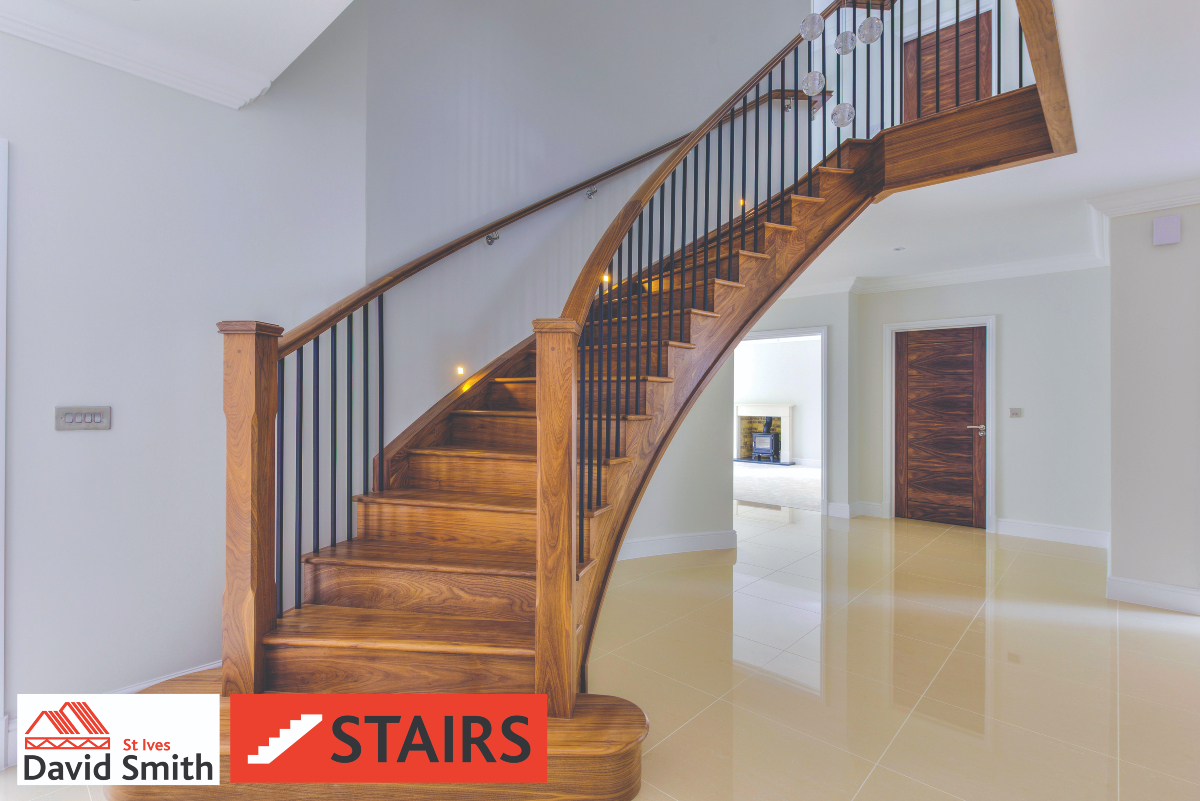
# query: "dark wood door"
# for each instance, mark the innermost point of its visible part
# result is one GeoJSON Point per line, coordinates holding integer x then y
{"type": "Point", "coordinates": [940, 406]}
{"type": "Point", "coordinates": [936, 68]}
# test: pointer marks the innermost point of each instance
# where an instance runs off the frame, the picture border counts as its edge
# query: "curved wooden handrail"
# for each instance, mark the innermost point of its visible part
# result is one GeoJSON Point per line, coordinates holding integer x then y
{"type": "Point", "coordinates": [313, 327]}
{"type": "Point", "coordinates": [597, 264]}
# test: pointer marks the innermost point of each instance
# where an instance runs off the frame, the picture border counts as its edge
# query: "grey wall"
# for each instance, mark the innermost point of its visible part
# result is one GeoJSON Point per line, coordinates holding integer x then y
{"type": "Point", "coordinates": [139, 218]}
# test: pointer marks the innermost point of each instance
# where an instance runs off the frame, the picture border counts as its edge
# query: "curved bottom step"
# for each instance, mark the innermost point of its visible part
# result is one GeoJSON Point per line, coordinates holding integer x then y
{"type": "Point", "coordinates": [596, 755]}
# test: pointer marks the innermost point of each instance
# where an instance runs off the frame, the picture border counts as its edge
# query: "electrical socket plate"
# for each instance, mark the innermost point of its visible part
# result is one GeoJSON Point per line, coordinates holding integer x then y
{"type": "Point", "coordinates": [90, 418]}
{"type": "Point", "coordinates": [1014, 412]}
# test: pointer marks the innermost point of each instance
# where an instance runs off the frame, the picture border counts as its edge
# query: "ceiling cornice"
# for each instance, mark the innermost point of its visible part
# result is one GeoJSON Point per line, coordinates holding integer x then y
{"type": "Point", "coordinates": [1150, 198]}
{"type": "Point", "coordinates": [67, 29]}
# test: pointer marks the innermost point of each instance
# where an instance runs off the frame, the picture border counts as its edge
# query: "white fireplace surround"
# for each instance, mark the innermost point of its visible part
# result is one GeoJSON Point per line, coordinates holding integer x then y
{"type": "Point", "coordinates": [784, 413]}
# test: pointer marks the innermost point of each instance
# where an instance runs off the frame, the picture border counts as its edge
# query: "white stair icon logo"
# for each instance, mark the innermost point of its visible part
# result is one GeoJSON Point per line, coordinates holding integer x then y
{"type": "Point", "coordinates": [286, 739]}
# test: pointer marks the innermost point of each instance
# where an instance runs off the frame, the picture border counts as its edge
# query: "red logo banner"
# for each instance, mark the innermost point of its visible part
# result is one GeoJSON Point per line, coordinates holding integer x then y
{"type": "Point", "coordinates": [387, 738]}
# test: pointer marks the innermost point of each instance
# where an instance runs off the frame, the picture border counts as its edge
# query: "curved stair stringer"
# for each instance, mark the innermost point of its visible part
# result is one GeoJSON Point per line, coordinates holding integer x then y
{"type": "Point", "coordinates": [787, 253]}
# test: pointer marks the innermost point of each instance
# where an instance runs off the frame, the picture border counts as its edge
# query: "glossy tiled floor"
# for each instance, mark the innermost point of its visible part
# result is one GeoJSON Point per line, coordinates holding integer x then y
{"type": "Point", "coordinates": [879, 659]}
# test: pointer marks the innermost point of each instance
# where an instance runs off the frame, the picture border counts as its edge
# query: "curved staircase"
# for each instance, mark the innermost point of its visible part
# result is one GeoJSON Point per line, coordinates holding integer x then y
{"type": "Point", "coordinates": [481, 552]}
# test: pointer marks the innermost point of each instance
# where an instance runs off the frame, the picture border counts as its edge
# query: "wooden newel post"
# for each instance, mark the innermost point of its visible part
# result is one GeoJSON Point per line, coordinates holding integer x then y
{"type": "Point", "coordinates": [554, 671]}
{"type": "Point", "coordinates": [248, 605]}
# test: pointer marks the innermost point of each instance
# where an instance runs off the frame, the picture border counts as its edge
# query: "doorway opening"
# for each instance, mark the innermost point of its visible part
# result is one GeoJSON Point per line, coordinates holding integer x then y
{"type": "Point", "coordinates": [779, 423]}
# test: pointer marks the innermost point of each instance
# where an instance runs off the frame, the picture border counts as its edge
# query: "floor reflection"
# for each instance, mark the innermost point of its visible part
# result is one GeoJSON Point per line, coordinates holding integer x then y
{"type": "Point", "coordinates": [877, 659]}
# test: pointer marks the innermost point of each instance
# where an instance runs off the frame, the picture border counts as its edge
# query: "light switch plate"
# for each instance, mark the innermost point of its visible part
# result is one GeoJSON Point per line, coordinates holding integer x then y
{"type": "Point", "coordinates": [72, 418]}
{"type": "Point", "coordinates": [1167, 230]}
{"type": "Point", "coordinates": [1014, 412]}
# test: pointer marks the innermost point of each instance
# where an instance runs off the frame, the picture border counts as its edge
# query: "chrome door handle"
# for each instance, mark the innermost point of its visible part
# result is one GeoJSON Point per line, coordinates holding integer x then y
{"type": "Point", "coordinates": [982, 429]}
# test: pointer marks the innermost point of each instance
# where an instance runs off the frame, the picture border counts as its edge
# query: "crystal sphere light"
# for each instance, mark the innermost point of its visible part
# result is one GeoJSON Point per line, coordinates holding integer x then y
{"type": "Point", "coordinates": [843, 115]}
{"type": "Point", "coordinates": [870, 30]}
{"type": "Point", "coordinates": [844, 43]}
{"type": "Point", "coordinates": [812, 83]}
{"type": "Point", "coordinates": [812, 27]}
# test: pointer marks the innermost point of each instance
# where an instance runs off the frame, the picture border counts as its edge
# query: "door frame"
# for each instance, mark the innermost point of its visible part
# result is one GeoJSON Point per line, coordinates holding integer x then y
{"type": "Point", "coordinates": [795, 333]}
{"type": "Point", "coordinates": [889, 407]}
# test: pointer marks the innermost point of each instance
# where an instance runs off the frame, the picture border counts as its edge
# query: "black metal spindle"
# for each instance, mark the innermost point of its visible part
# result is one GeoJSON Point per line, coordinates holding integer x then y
{"type": "Point", "coordinates": [868, 76]}
{"type": "Point", "coordinates": [608, 375]}
{"type": "Point", "coordinates": [349, 426]}
{"type": "Point", "coordinates": [957, 54]}
{"type": "Point", "coordinates": [978, 66]}
{"type": "Point", "coordinates": [662, 235]}
{"type": "Point", "coordinates": [627, 319]}
{"type": "Point", "coordinates": [707, 190]}
{"type": "Point", "coordinates": [1020, 55]}
{"type": "Point", "coordinates": [796, 119]}
{"type": "Point", "coordinates": [882, 59]}
{"type": "Point", "coordinates": [333, 430]}
{"type": "Point", "coordinates": [839, 91]}
{"type": "Point", "coordinates": [757, 169]}
{"type": "Point", "coordinates": [937, 57]}
{"type": "Point", "coordinates": [299, 477]}
{"type": "Point", "coordinates": [824, 109]}
{"type": "Point", "coordinates": [999, 50]}
{"type": "Point", "coordinates": [695, 219]}
{"type": "Point", "coordinates": [382, 485]}
{"type": "Point", "coordinates": [729, 274]}
{"type": "Point", "coordinates": [729, 248]}
{"type": "Point", "coordinates": [808, 121]}
{"type": "Point", "coordinates": [920, 99]}
{"type": "Point", "coordinates": [770, 144]}
{"type": "Point", "coordinates": [671, 273]}
{"type": "Point", "coordinates": [619, 281]}
{"type": "Point", "coordinates": [366, 374]}
{"type": "Point", "coordinates": [637, 387]}
{"type": "Point", "coordinates": [720, 176]}
{"type": "Point", "coordinates": [316, 457]}
{"type": "Point", "coordinates": [581, 391]}
{"type": "Point", "coordinates": [900, 61]}
{"type": "Point", "coordinates": [593, 361]}
{"type": "Point", "coordinates": [279, 491]}
{"type": "Point", "coordinates": [895, 62]}
{"type": "Point", "coordinates": [854, 71]}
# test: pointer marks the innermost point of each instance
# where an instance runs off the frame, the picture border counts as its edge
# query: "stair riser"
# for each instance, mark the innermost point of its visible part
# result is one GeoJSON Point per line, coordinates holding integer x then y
{"type": "Point", "coordinates": [494, 433]}
{"type": "Point", "coordinates": [463, 474]}
{"type": "Point", "coordinates": [673, 298]}
{"type": "Point", "coordinates": [647, 330]}
{"type": "Point", "coordinates": [399, 590]}
{"type": "Point", "coordinates": [434, 525]}
{"type": "Point", "coordinates": [299, 669]}
{"type": "Point", "coordinates": [627, 361]}
{"type": "Point", "coordinates": [505, 396]}
{"type": "Point", "coordinates": [594, 397]}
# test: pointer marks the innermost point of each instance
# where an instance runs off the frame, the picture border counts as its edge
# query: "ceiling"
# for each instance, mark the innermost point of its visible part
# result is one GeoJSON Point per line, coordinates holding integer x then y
{"type": "Point", "coordinates": [227, 51]}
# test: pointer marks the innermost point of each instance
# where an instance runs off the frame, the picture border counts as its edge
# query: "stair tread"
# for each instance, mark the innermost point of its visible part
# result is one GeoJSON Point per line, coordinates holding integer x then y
{"type": "Point", "coordinates": [837, 170]}
{"type": "Point", "coordinates": [315, 625]}
{"type": "Point", "coordinates": [482, 501]}
{"type": "Point", "coordinates": [807, 199]}
{"type": "Point", "coordinates": [519, 380]}
{"type": "Point", "coordinates": [497, 412]}
{"type": "Point", "coordinates": [633, 344]}
{"type": "Point", "coordinates": [471, 452]}
{"type": "Point", "coordinates": [443, 558]}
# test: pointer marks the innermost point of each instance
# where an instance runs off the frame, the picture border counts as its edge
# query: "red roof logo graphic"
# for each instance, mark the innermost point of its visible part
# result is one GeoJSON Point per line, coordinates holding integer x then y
{"type": "Point", "coordinates": [73, 726]}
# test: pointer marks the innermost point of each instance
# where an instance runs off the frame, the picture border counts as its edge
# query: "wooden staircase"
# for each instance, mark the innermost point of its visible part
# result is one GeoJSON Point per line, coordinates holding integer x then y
{"type": "Point", "coordinates": [481, 559]}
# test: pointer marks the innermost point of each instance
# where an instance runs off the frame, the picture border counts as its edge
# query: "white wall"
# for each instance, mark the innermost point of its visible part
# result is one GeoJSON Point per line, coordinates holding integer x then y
{"type": "Point", "coordinates": [140, 217]}
{"type": "Point", "coordinates": [787, 372]}
{"type": "Point", "coordinates": [1052, 361]}
{"type": "Point", "coordinates": [1155, 387]}
{"type": "Point", "coordinates": [691, 492]}
{"type": "Point", "coordinates": [834, 311]}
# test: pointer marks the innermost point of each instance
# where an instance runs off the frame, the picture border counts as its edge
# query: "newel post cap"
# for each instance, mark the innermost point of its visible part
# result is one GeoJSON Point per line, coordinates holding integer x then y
{"type": "Point", "coordinates": [557, 325]}
{"type": "Point", "coordinates": [249, 327]}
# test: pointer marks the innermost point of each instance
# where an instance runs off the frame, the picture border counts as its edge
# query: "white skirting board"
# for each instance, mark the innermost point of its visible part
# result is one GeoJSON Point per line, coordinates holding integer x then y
{"type": "Point", "coordinates": [808, 462]}
{"type": "Point", "coordinates": [1052, 533]}
{"type": "Point", "coordinates": [866, 508]}
{"type": "Point", "coordinates": [10, 730]}
{"type": "Point", "coordinates": [1150, 593]}
{"type": "Point", "coordinates": [838, 509]}
{"type": "Point", "coordinates": [678, 543]}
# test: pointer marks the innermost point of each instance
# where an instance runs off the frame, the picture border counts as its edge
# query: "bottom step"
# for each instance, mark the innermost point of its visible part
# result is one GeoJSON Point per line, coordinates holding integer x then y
{"type": "Point", "coordinates": [597, 754]}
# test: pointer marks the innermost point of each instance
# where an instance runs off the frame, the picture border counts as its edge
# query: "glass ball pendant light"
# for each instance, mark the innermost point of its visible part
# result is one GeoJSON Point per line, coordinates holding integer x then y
{"type": "Point", "coordinates": [844, 43]}
{"type": "Point", "coordinates": [843, 115]}
{"type": "Point", "coordinates": [812, 83]}
{"type": "Point", "coordinates": [812, 27]}
{"type": "Point", "coordinates": [870, 30]}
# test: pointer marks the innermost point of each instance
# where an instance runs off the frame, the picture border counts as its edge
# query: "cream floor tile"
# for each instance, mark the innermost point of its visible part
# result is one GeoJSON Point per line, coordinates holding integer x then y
{"type": "Point", "coordinates": [11, 791]}
{"type": "Point", "coordinates": [744, 574]}
{"type": "Point", "coordinates": [752, 528]}
{"type": "Point", "coordinates": [622, 621]}
{"type": "Point", "coordinates": [961, 545]}
{"type": "Point", "coordinates": [1162, 681]}
{"type": "Point", "coordinates": [974, 757]}
{"type": "Point", "coordinates": [1076, 713]}
{"type": "Point", "coordinates": [595, 653]}
{"type": "Point", "coordinates": [766, 556]}
{"type": "Point", "coordinates": [1056, 567]}
{"type": "Point", "coordinates": [785, 588]}
{"type": "Point", "coordinates": [729, 754]}
{"type": "Point", "coordinates": [876, 654]}
{"type": "Point", "coordinates": [887, 785]}
{"type": "Point", "coordinates": [679, 591]}
{"type": "Point", "coordinates": [668, 704]}
{"type": "Point", "coordinates": [1048, 592]}
{"type": "Point", "coordinates": [847, 711]}
{"type": "Point", "coordinates": [1161, 633]}
{"type": "Point", "coordinates": [651, 793]}
{"type": "Point", "coordinates": [811, 566]}
{"type": "Point", "coordinates": [1140, 784]}
{"type": "Point", "coordinates": [791, 539]}
{"type": "Point", "coordinates": [1163, 738]}
{"type": "Point", "coordinates": [628, 570]}
{"type": "Point", "coordinates": [961, 598]}
{"type": "Point", "coordinates": [1081, 552]}
{"type": "Point", "coordinates": [881, 609]}
{"type": "Point", "coordinates": [1068, 647]}
{"type": "Point", "coordinates": [922, 564]}
{"type": "Point", "coordinates": [708, 659]}
{"type": "Point", "coordinates": [768, 622]}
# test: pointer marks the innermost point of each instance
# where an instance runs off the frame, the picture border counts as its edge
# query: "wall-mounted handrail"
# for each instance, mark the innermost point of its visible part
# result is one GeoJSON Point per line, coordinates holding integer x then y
{"type": "Point", "coordinates": [313, 327]}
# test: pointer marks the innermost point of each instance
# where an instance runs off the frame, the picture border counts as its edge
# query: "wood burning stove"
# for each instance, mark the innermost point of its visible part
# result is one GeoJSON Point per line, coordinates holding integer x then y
{"type": "Point", "coordinates": [764, 443]}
